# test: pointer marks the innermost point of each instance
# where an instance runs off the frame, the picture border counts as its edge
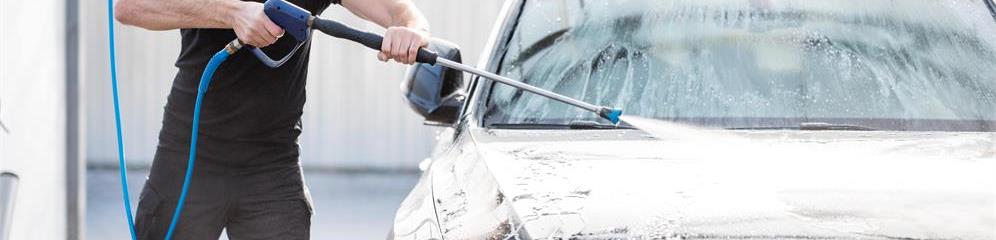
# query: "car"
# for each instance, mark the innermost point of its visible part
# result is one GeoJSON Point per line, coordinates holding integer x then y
{"type": "Point", "coordinates": [743, 119]}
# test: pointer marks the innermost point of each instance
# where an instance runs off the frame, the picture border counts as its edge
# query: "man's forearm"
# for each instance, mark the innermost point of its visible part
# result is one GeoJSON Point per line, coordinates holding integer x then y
{"type": "Point", "coordinates": [405, 14]}
{"type": "Point", "coordinates": [173, 14]}
{"type": "Point", "coordinates": [389, 13]}
{"type": "Point", "coordinates": [247, 19]}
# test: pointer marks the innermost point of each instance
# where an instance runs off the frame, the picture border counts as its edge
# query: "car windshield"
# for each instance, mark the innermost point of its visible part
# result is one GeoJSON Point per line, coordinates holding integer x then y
{"type": "Point", "coordinates": [910, 65]}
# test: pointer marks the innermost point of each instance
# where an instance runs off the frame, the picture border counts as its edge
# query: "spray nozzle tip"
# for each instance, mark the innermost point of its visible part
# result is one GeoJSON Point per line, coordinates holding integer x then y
{"type": "Point", "coordinates": [611, 114]}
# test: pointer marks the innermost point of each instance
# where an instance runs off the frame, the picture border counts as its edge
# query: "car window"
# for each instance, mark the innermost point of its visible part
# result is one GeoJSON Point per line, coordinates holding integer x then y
{"type": "Point", "coordinates": [896, 65]}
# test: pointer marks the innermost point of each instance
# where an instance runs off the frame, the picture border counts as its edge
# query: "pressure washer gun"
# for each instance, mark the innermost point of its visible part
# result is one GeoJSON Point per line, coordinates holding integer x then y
{"type": "Point", "coordinates": [298, 22]}
{"type": "Point", "coordinates": [293, 19]}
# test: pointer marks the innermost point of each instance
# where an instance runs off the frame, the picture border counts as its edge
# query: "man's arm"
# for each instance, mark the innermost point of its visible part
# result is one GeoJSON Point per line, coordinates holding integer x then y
{"type": "Point", "coordinates": [247, 18]}
{"type": "Point", "coordinates": [407, 29]}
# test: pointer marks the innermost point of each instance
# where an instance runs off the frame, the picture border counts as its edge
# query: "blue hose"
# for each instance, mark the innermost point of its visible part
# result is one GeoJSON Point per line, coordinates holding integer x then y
{"type": "Point", "coordinates": [212, 66]}
{"type": "Point", "coordinates": [209, 70]}
{"type": "Point", "coordinates": [117, 119]}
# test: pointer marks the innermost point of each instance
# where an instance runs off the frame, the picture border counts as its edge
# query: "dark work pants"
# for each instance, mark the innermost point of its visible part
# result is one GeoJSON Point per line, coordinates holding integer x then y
{"type": "Point", "coordinates": [260, 203]}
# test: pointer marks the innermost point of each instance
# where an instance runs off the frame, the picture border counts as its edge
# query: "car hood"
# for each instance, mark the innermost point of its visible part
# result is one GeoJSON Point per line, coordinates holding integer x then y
{"type": "Point", "coordinates": [704, 184]}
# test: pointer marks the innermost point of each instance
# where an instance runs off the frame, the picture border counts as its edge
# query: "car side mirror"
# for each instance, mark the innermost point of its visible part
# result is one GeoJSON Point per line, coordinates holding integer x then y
{"type": "Point", "coordinates": [436, 92]}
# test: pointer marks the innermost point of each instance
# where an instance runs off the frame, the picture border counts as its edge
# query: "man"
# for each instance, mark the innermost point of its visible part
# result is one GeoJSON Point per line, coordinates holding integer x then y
{"type": "Point", "coordinates": [247, 177]}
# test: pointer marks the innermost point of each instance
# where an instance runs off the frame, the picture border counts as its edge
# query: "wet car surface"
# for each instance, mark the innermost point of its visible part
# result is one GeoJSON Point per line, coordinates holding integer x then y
{"type": "Point", "coordinates": [761, 119]}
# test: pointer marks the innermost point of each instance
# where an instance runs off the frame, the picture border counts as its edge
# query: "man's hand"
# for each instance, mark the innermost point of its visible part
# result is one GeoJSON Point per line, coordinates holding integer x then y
{"type": "Point", "coordinates": [402, 44]}
{"type": "Point", "coordinates": [407, 29]}
{"type": "Point", "coordinates": [252, 26]}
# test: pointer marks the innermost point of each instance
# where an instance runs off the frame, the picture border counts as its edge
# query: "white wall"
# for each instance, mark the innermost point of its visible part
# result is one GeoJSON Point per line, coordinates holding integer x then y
{"type": "Point", "coordinates": [355, 116]}
{"type": "Point", "coordinates": [145, 73]}
{"type": "Point", "coordinates": [32, 106]}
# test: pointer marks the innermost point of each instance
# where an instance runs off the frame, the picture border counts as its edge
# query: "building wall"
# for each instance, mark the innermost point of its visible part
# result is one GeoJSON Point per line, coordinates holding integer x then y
{"type": "Point", "coordinates": [32, 108]}
{"type": "Point", "coordinates": [355, 116]}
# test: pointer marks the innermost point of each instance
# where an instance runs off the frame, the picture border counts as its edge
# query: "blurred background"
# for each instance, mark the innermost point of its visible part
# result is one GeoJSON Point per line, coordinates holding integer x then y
{"type": "Point", "coordinates": [57, 137]}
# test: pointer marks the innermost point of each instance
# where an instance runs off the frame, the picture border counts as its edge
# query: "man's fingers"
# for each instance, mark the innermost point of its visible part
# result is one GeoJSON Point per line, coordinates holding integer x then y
{"type": "Point", "coordinates": [423, 41]}
{"type": "Point", "coordinates": [412, 51]}
{"type": "Point", "coordinates": [399, 51]}
{"type": "Point", "coordinates": [259, 41]}
{"type": "Point", "coordinates": [401, 45]}
{"type": "Point", "coordinates": [248, 37]}
{"type": "Point", "coordinates": [273, 29]}
{"type": "Point", "coordinates": [404, 46]}
{"type": "Point", "coordinates": [242, 37]}
{"type": "Point", "coordinates": [265, 36]}
{"type": "Point", "coordinates": [385, 47]}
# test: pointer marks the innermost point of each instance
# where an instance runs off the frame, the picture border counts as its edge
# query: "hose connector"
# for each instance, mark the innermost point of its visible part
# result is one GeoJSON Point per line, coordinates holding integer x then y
{"type": "Point", "coordinates": [233, 46]}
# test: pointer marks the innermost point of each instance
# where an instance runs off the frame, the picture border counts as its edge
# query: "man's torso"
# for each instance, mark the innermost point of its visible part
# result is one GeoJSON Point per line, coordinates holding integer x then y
{"type": "Point", "coordinates": [251, 113]}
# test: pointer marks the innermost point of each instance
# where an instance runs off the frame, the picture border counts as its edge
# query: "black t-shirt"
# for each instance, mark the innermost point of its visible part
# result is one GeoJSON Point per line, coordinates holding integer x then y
{"type": "Point", "coordinates": [251, 114]}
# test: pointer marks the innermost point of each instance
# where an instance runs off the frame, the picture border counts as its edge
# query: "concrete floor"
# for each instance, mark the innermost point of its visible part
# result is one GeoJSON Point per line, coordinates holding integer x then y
{"type": "Point", "coordinates": [347, 206]}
